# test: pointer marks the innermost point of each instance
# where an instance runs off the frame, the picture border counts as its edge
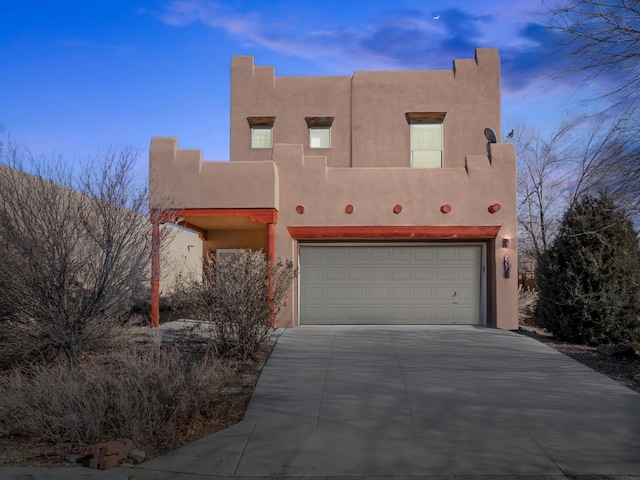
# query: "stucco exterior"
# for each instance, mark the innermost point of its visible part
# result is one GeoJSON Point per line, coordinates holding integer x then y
{"type": "Point", "coordinates": [362, 189]}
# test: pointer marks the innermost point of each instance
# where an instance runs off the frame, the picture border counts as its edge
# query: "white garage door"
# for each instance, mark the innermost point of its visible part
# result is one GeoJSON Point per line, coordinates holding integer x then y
{"type": "Point", "coordinates": [390, 284]}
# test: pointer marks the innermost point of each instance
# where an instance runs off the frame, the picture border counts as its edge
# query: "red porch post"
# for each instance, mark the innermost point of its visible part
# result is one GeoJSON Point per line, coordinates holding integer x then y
{"type": "Point", "coordinates": [155, 274]}
{"type": "Point", "coordinates": [271, 242]}
{"type": "Point", "coordinates": [271, 255]}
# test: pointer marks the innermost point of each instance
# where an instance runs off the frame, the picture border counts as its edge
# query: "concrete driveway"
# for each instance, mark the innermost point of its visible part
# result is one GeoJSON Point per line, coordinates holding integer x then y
{"type": "Point", "coordinates": [399, 401]}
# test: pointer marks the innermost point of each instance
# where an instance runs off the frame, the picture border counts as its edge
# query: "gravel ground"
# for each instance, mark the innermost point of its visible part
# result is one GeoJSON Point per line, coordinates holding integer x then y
{"type": "Point", "coordinates": [623, 370]}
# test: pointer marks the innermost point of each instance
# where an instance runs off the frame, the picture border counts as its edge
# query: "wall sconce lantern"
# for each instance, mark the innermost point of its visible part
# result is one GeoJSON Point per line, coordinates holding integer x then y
{"type": "Point", "coordinates": [506, 243]}
{"type": "Point", "coordinates": [507, 266]}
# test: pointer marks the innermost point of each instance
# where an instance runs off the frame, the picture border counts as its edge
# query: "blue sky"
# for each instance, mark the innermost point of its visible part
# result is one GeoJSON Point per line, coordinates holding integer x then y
{"type": "Point", "coordinates": [80, 75]}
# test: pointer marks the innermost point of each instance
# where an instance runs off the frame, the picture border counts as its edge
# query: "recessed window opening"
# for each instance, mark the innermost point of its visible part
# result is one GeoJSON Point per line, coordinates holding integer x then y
{"type": "Point", "coordinates": [320, 137]}
{"type": "Point", "coordinates": [261, 137]}
{"type": "Point", "coordinates": [426, 139]}
{"type": "Point", "coordinates": [261, 131]}
{"type": "Point", "coordinates": [426, 146]}
{"type": "Point", "coordinates": [319, 131]}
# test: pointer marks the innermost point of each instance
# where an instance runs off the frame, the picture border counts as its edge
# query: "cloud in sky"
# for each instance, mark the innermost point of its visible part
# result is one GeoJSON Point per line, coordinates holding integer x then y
{"type": "Point", "coordinates": [393, 39]}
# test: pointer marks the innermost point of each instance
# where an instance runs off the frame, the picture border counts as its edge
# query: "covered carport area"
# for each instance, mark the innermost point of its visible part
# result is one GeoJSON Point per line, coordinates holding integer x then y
{"type": "Point", "coordinates": [219, 229]}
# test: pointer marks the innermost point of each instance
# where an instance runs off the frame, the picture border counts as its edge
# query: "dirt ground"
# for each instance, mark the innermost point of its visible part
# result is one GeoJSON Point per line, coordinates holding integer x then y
{"type": "Point", "coordinates": [623, 370]}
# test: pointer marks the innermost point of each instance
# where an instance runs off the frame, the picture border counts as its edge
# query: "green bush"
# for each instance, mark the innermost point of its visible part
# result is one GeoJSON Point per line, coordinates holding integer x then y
{"type": "Point", "coordinates": [589, 279]}
{"type": "Point", "coordinates": [237, 297]}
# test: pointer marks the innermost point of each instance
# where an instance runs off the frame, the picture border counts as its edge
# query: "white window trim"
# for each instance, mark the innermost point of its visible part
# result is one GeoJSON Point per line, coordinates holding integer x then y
{"type": "Point", "coordinates": [323, 129]}
{"type": "Point", "coordinates": [254, 139]}
{"type": "Point", "coordinates": [439, 150]}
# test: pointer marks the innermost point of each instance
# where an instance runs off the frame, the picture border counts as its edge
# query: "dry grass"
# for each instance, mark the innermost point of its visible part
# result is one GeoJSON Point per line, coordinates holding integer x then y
{"type": "Point", "coordinates": [527, 301]}
{"type": "Point", "coordinates": [161, 396]}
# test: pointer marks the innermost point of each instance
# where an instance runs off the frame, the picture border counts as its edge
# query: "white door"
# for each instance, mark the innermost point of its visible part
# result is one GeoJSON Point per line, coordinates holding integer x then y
{"type": "Point", "coordinates": [383, 284]}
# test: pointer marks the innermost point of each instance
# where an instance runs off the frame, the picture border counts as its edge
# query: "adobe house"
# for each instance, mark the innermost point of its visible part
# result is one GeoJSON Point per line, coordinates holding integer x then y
{"type": "Point", "coordinates": [381, 187]}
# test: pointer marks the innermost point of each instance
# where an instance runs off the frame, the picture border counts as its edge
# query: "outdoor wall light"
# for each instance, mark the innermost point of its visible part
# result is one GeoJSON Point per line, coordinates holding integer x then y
{"type": "Point", "coordinates": [506, 242]}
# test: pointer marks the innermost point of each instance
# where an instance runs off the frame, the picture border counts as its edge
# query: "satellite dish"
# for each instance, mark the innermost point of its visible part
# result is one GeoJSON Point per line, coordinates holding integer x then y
{"type": "Point", "coordinates": [491, 135]}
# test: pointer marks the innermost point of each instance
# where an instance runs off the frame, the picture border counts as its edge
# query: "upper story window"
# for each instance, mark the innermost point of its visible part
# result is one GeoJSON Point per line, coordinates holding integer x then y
{"type": "Point", "coordinates": [319, 131]}
{"type": "Point", "coordinates": [426, 139]}
{"type": "Point", "coordinates": [261, 131]}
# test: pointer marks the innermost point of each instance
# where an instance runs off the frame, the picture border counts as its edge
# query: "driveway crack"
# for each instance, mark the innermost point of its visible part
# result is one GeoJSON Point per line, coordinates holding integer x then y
{"type": "Point", "coordinates": [404, 384]}
{"type": "Point", "coordinates": [326, 376]}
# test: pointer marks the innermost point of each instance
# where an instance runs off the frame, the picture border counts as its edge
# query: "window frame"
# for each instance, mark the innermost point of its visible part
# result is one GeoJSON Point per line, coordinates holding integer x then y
{"type": "Point", "coordinates": [319, 129]}
{"type": "Point", "coordinates": [322, 123]}
{"type": "Point", "coordinates": [257, 141]}
{"type": "Point", "coordinates": [261, 124]}
{"type": "Point", "coordinates": [417, 119]}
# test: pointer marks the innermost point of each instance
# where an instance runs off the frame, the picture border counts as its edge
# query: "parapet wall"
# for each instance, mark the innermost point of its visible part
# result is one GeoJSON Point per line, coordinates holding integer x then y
{"type": "Point", "coordinates": [181, 179]}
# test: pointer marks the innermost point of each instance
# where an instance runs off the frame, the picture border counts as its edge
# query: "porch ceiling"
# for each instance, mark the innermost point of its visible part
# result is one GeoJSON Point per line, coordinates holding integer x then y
{"type": "Point", "coordinates": [224, 223]}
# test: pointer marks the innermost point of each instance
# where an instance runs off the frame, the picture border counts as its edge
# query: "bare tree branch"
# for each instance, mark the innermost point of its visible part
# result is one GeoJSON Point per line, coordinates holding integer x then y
{"type": "Point", "coordinates": [602, 38]}
{"type": "Point", "coordinates": [75, 248]}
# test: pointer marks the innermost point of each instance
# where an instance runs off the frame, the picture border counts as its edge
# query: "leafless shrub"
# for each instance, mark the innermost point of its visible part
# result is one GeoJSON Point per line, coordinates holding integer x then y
{"type": "Point", "coordinates": [75, 249]}
{"type": "Point", "coordinates": [527, 301]}
{"type": "Point", "coordinates": [150, 394]}
{"type": "Point", "coordinates": [238, 296]}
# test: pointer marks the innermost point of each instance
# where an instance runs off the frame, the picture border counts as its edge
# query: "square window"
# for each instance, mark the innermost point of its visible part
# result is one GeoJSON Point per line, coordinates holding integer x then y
{"type": "Point", "coordinates": [320, 137]}
{"type": "Point", "coordinates": [261, 137]}
{"type": "Point", "coordinates": [426, 145]}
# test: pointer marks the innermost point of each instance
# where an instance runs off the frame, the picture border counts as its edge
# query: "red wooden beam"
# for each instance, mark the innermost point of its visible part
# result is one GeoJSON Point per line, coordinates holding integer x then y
{"type": "Point", "coordinates": [408, 232]}
{"type": "Point", "coordinates": [262, 215]}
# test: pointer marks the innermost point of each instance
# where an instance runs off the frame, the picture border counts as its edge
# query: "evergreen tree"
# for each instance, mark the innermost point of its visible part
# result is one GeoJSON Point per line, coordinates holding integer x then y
{"type": "Point", "coordinates": [589, 279]}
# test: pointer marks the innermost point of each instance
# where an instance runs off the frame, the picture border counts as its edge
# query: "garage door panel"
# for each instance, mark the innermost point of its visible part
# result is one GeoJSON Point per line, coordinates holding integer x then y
{"type": "Point", "coordinates": [337, 254]}
{"type": "Point", "coordinates": [472, 255]}
{"type": "Point", "coordinates": [334, 314]}
{"type": "Point", "coordinates": [425, 255]}
{"type": "Point", "coordinates": [469, 274]}
{"type": "Point", "coordinates": [312, 256]}
{"type": "Point", "coordinates": [445, 273]}
{"type": "Point", "coordinates": [445, 293]}
{"type": "Point", "coordinates": [423, 314]}
{"type": "Point", "coordinates": [422, 294]}
{"type": "Point", "coordinates": [356, 314]}
{"type": "Point", "coordinates": [402, 254]}
{"type": "Point", "coordinates": [388, 284]}
{"type": "Point", "coordinates": [401, 273]}
{"type": "Point", "coordinates": [378, 314]}
{"type": "Point", "coordinates": [335, 293]}
{"type": "Point", "coordinates": [466, 294]}
{"type": "Point", "coordinates": [379, 254]}
{"type": "Point", "coordinates": [445, 254]}
{"type": "Point", "coordinates": [400, 314]}
{"type": "Point", "coordinates": [313, 293]}
{"type": "Point", "coordinates": [378, 273]}
{"type": "Point", "coordinates": [378, 293]}
{"type": "Point", "coordinates": [315, 314]}
{"type": "Point", "coordinates": [444, 314]}
{"type": "Point", "coordinates": [465, 315]}
{"type": "Point", "coordinates": [312, 273]}
{"type": "Point", "coordinates": [357, 273]}
{"type": "Point", "coordinates": [401, 293]}
{"type": "Point", "coordinates": [336, 273]}
{"type": "Point", "coordinates": [423, 273]}
{"type": "Point", "coordinates": [356, 293]}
